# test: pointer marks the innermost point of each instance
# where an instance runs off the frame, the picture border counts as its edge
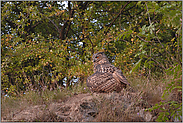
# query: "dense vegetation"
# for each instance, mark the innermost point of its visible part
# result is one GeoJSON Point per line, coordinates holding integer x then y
{"type": "Point", "coordinates": [47, 45]}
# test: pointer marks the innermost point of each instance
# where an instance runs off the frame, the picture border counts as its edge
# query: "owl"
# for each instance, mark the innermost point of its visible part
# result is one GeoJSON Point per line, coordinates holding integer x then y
{"type": "Point", "coordinates": [106, 77]}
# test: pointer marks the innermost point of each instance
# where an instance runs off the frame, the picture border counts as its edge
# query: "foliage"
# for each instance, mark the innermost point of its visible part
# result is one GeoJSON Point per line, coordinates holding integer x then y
{"type": "Point", "coordinates": [171, 109]}
{"type": "Point", "coordinates": [49, 44]}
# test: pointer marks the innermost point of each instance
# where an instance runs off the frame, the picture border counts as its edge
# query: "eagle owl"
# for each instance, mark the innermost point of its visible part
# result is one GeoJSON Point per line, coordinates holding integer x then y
{"type": "Point", "coordinates": [106, 77]}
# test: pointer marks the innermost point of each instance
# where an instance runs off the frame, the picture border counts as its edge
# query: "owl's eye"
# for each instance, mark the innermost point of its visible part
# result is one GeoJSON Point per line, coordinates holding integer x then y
{"type": "Point", "coordinates": [97, 57]}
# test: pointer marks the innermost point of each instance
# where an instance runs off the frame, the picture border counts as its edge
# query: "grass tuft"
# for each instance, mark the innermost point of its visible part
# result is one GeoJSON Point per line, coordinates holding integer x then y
{"type": "Point", "coordinates": [142, 94]}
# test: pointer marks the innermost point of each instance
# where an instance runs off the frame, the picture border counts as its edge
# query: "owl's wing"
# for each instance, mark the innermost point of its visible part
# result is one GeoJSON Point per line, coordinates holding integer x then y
{"type": "Point", "coordinates": [92, 81]}
{"type": "Point", "coordinates": [101, 82]}
{"type": "Point", "coordinates": [118, 75]}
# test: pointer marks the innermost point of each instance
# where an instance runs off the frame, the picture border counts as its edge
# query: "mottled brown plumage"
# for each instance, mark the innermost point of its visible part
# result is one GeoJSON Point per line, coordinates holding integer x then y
{"type": "Point", "coordinates": [106, 77]}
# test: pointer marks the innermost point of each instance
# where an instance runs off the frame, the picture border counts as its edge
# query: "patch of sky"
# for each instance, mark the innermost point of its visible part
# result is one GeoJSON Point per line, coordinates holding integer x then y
{"type": "Point", "coordinates": [9, 2]}
{"type": "Point", "coordinates": [65, 3]}
{"type": "Point", "coordinates": [80, 43]}
{"type": "Point", "coordinates": [50, 74]}
{"type": "Point", "coordinates": [93, 21]}
{"type": "Point", "coordinates": [100, 26]}
{"type": "Point", "coordinates": [61, 24]}
{"type": "Point", "coordinates": [6, 95]}
{"type": "Point", "coordinates": [73, 81]}
{"type": "Point", "coordinates": [58, 2]}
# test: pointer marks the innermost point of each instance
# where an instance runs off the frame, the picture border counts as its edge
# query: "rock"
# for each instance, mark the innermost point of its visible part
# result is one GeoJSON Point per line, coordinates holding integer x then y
{"type": "Point", "coordinates": [86, 108]}
{"type": "Point", "coordinates": [145, 114]}
{"type": "Point", "coordinates": [148, 116]}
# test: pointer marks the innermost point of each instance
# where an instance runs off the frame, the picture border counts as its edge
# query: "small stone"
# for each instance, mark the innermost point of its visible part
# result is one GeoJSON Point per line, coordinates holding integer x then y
{"type": "Point", "coordinates": [148, 116]}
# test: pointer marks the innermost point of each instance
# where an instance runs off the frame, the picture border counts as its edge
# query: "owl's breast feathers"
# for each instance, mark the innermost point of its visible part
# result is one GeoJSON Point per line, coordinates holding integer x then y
{"type": "Point", "coordinates": [104, 68]}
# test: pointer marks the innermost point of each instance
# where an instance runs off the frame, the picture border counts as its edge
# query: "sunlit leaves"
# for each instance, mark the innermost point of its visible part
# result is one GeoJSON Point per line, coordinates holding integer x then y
{"type": "Point", "coordinates": [32, 47]}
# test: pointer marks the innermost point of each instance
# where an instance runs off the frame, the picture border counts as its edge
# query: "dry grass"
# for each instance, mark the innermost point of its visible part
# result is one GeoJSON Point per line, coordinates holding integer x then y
{"type": "Point", "coordinates": [13, 105]}
{"type": "Point", "coordinates": [142, 94]}
{"type": "Point", "coordinates": [10, 106]}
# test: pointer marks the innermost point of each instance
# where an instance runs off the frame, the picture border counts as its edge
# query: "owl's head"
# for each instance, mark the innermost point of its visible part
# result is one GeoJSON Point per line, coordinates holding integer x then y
{"type": "Point", "coordinates": [100, 58]}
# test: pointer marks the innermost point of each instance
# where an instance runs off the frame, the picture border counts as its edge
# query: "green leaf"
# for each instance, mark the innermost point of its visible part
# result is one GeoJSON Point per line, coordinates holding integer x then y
{"type": "Point", "coordinates": [178, 87]}
{"type": "Point", "coordinates": [137, 65]}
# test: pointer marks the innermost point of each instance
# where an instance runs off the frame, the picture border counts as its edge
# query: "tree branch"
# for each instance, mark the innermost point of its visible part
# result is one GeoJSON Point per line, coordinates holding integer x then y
{"type": "Point", "coordinates": [148, 14]}
{"type": "Point", "coordinates": [54, 24]}
{"type": "Point", "coordinates": [142, 39]}
{"type": "Point", "coordinates": [123, 7]}
{"type": "Point", "coordinates": [158, 63]}
{"type": "Point", "coordinates": [66, 23]}
{"type": "Point", "coordinates": [13, 25]}
{"type": "Point", "coordinates": [91, 44]}
{"type": "Point", "coordinates": [71, 12]}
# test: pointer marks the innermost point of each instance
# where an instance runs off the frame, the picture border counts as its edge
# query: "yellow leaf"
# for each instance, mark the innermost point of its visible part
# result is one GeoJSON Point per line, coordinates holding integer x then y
{"type": "Point", "coordinates": [173, 39]}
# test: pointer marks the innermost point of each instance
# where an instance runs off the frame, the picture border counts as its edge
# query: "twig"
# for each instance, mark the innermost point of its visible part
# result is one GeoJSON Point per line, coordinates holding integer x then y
{"type": "Point", "coordinates": [91, 43]}
{"type": "Point", "coordinates": [123, 7]}
{"type": "Point", "coordinates": [53, 24]}
{"type": "Point", "coordinates": [71, 12]}
{"type": "Point", "coordinates": [143, 39]}
{"type": "Point", "coordinates": [148, 15]}
{"type": "Point", "coordinates": [158, 63]}
{"type": "Point", "coordinates": [167, 51]}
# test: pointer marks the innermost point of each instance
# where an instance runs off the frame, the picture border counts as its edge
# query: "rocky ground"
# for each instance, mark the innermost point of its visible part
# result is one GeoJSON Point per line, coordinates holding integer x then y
{"type": "Point", "coordinates": [123, 106]}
